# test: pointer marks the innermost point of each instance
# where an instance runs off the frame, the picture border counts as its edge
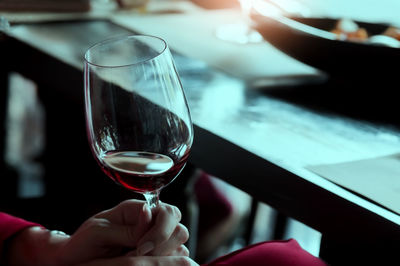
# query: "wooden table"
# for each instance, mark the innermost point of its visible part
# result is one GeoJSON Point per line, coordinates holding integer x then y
{"type": "Point", "coordinates": [260, 141]}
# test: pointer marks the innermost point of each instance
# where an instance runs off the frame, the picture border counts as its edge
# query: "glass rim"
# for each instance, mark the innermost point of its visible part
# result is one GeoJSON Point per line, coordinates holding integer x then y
{"type": "Point", "coordinates": [109, 40]}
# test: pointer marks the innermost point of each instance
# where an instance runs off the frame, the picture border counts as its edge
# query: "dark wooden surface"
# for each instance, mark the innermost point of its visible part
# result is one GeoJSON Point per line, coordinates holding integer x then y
{"type": "Point", "coordinates": [260, 141]}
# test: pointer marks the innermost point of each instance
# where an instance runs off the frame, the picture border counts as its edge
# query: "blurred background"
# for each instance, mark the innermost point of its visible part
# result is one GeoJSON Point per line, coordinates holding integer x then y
{"type": "Point", "coordinates": [47, 173]}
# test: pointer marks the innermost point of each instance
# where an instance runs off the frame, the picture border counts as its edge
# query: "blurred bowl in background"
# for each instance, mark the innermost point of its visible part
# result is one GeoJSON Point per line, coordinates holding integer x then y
{"type": "Point", "coordinates": [311, 41]}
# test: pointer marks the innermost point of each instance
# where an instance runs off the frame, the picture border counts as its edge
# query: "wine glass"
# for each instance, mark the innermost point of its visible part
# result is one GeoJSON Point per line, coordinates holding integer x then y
{"type": "Point", "coordinates": [137, 117]}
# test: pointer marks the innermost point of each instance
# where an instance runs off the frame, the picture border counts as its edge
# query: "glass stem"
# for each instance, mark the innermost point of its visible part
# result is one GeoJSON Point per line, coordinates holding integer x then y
{"type": "Point", "coordinates": [152, 198]}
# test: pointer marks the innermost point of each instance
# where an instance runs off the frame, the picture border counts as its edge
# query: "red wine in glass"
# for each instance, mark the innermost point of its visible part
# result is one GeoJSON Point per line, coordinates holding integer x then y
{"type": "Point", "coordinates": [141, 171]}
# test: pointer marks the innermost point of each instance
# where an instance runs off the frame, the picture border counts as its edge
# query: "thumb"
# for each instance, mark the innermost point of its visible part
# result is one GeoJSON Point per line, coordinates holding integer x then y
{"type": "Point", "coordinates": [126, 223]}
{"type": "Point", "coordinates": [109, 234]}
{"type": "Point", "coordinates": [127, 212]}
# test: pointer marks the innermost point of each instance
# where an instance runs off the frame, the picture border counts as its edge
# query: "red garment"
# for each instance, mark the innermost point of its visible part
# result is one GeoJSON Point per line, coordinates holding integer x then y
{"type": "Point", "coordinates": [274, 253]}
{"type": "Point", "coordinates": [10, 225]}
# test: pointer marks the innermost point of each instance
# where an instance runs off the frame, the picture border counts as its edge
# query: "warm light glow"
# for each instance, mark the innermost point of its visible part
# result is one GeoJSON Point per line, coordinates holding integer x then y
{"type": "Point", "coordinates": [278, 7]}
{"type": "Point", "coordinates": [246, 5]}
{"type": "Point", "coordinates": [266, 9]}
{"type": "Point", "coordinates": [293, 7]}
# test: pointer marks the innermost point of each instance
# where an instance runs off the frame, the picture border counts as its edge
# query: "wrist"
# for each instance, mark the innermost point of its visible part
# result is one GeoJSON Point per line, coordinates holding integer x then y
{"type": "Point", "coordinates": [35, 246]}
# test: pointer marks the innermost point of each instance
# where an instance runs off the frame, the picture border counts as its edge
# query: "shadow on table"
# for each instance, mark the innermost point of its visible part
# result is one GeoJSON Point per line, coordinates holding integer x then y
{"type": "Point", "coordinates": [373, 100]}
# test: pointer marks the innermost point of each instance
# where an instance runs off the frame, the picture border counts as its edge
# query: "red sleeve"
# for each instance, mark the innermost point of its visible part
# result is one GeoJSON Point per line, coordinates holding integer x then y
{"type": "Point", "coordinates": [276, 253]}
{"type": "Point", "coordinates": [10, 225]}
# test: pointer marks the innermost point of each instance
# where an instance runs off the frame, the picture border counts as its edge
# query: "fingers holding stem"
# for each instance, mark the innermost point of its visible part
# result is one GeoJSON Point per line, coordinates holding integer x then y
{"type": "Point", "coordinates": [152, 198]}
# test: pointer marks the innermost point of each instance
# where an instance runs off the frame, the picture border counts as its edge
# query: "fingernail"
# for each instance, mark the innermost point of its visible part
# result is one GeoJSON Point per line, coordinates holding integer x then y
{"type": "Point", "coordinates": [178, 213]}
{"type": "Point", "coordinates": [57, 232]}
{"type": "Point", "coordinates": [145, 248]}
{"type": "Point", "coordinates": [146, 211]}
{"type": "Point", "coordinates": [146, 208]}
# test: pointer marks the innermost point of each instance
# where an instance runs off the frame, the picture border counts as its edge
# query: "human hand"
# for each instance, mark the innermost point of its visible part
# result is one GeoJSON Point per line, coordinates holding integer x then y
{"type": "Point", "coordinates": [130, 226]}
{"type": "Point", "coordinates": [144, 260]}
{"type": "Point", "coordinates": [126, 231]}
